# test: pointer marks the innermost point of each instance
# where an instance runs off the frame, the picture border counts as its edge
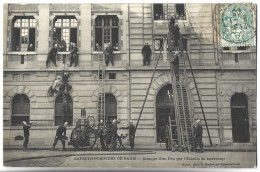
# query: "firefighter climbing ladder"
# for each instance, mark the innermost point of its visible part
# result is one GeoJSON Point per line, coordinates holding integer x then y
{"type": "Point", "coordinates": [101, 83]}
{"type": "Point", "coordinates": [182, 123]}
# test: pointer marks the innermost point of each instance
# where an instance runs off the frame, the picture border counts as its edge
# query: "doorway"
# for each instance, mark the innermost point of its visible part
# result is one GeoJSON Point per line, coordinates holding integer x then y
{"type": "Point", "coordinates": [239, 117]}
{"type": "Point", "coordinates": [164, 108]}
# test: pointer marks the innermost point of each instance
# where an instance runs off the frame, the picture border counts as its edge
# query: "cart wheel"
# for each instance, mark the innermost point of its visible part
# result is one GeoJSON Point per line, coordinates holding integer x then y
{"type": "Point", "coordinates": [83, 137]}
{"type": "Point", "coordinates": [109, 144]}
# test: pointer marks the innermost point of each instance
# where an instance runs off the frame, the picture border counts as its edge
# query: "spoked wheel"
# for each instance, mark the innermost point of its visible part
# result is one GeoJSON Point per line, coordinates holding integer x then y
{"type": "Point", "coordinates": [83, 137]}
{"type": "Point", "coordinates": [110, 144]}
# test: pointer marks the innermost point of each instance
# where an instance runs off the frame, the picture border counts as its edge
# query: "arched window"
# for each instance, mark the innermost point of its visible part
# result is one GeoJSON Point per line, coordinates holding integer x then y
{"type": "Point", "coordinates": [239, 116]}
{"type": "Point", "coordinates": [110, 107]}
{"type": "Point", "coordinates": [20, 109]}
{"type": "Point", "coordinates": [63, 110]}
{"type": "Point", "coordinates": [164, 108]}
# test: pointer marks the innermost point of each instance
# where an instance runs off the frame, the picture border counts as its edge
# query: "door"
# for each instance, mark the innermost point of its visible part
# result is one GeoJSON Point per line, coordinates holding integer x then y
{"type": "Point", "coordinates": [164, 108]}
{"type": "Point", "coordinates": [239, 116]}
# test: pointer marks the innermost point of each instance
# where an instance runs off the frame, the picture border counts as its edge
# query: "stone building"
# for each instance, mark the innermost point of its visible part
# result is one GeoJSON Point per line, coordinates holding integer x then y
{"type": "Point", "coordinates": [226, 77]}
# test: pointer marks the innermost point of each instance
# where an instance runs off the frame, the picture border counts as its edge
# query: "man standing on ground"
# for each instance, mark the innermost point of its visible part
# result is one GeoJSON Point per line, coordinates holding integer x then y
{"type": "Point", "coordinates": [131, 128]}
{"type": "Point", "coordinates": [198, 136]}
{"type": "Point", "coordinates": [146, 52]}
{"type": "Point", "coordinates": [60, 135]}
{"type": "Point", "coordinates": [26, 132]}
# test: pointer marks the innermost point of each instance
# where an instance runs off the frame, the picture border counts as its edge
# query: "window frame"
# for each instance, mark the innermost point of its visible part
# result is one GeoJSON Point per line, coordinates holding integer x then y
{"type": "Point", "coordinates": [104, 27]}
{"type": "Point", "coordinates": [21, 28]}
{"type": "Point", "coordinates": [70, 115]}
{"type": "Point", "coordinates": [63, 27]}
{"type": "Point", "coordinates": [22, 102]}
{"type": "Point", "coordinates": [166, 14]}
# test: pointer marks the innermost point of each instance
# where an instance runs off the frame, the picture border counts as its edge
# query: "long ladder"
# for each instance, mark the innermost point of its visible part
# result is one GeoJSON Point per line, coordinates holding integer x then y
{"type": "Point", "coordinates": [101, 84]}
{"type": "Point", "coordinates": [184, 129]}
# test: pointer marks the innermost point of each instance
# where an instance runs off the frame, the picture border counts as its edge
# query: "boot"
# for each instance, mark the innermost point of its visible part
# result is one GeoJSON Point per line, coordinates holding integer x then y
{"type": "Point", "coordinates": [24, 148]}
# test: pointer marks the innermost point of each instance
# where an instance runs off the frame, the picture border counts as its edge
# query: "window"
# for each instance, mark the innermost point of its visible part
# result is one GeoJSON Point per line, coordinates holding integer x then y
{"type": "Point", "coordinates": [66, 28]}
{"type": "Point", "coordinates": [158, 11]}
{"type": "Point", "coordinates": [158, 44]}
{"type": "Point", "coordinates": [164, 11]}
{"type": "Point", "coordinates": [106, 30]}
{"type": "Point", "coordinates": [63, 110]}
{"type": "Point", "coordinates": [110, 107]}
{"type": "Point", "coordinates": [23, 33]}
{"type": "Point", "coordinates": [20, 109]}
{"type": "Point", "coordinates": [180, 11]}
{"type": "Point", "coordinates": [112, 75]}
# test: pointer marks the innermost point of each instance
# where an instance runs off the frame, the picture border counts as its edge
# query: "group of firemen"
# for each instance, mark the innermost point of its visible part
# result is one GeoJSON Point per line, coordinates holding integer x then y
{"type": "Point", "coordinates": [61, 135]}
{"type": "Point", "coordinates": [146, 52]}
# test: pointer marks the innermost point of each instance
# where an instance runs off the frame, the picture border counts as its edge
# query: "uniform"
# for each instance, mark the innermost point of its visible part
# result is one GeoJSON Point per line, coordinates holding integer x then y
{"type": "Point", "coordinates": [131, 128]}
{"type": "Point", "coordinates": [114, 136]}
{"type": "Point", "coordinates": [176, 34]}
{"type": "Point", "coordinates": [198, 137]}
{"type": "Point", "coordinates": [176, 65]}
{"type": "Point", "coordinates": [146, 51]}
{"type": "Point", "coordinates": [108, 55]}
{"type": "Point", "coordinates": [26, 136]}
{"type": "Point", "coordinates": [74, 56]}
{"type": "Point", "coordinates": [52, 56]}
{"type": "Point", "coordinates": [63, 45]}
{"type": "Point", "coordinates": [60, 137]}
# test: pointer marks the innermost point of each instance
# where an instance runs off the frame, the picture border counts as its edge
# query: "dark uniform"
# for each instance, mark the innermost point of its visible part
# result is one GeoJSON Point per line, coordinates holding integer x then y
{"type": "Point", "coordinates": [63, 45]}
{"type": "Point", "coordinates": [198, 137]}
{"type": "Point", "coordinates": [175, 63]}
{"type": "Point", "coordinates": [52, 56]}
{"type": "Point", "coordinates": [26, 136]}
{"type": "Point", "coordinates": [101, 135]}
{"type": "Point", "coordinates": [131, 128]}
{"type": "Point", "coordinates": [74, 56]}
{"type": "Point", "coordinates": [114, 136]}
{"type": "Point", "coordinates": [171, 24]}
{"type": "Point", "coordinates": [60, 137]}
{"type": "Point", "coordinates": [30, 49]}
{"type": "Point", "coordinates": [146, 51]}
{"type": "Point", "coordinates": [176, 35]}
{"type": "Point", "coordinates": [108, 55]}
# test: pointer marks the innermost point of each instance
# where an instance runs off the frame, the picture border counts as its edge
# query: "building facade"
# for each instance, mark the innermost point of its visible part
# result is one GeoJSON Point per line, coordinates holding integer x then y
{"type": "Point", "coordinates": [226, 77]}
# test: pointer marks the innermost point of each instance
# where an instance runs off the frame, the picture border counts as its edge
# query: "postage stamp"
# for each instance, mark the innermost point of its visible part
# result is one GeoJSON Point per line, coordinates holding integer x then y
{"type": "Point", "coordinates": [238, 25]}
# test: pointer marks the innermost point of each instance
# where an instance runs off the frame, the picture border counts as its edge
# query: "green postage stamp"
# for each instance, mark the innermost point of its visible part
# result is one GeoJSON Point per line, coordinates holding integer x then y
{"type": "Point", "coordinates": [238, 24]}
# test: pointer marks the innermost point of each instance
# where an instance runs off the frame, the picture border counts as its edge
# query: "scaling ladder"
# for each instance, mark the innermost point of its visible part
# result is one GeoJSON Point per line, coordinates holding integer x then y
{"type": "Point", "coordinates": [101, 84]}
{"type": "Point", "coordinates": [182, 123]}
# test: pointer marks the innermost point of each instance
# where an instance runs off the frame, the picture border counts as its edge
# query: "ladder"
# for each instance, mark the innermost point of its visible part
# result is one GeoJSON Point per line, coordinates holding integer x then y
{"type": "Point", "coordinates": [101, 84]}
{"type": "Point", "coordinates": [182, 124]}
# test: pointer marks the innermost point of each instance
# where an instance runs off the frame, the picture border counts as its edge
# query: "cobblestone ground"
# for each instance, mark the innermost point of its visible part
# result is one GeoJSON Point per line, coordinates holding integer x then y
{"type": "Point", "coordinates": [126, 159]}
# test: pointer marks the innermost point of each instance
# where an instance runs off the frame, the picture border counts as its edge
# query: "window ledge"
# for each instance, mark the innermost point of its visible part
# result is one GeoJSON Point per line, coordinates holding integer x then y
{"type": "Point", "coordinates": [22, 52]}
{"type": "Point", "coordinates": [65, 52]}
{"type": "Point", "coordinates": [236, 51]}
{"type": "Point", "coordinates": [114, 52]}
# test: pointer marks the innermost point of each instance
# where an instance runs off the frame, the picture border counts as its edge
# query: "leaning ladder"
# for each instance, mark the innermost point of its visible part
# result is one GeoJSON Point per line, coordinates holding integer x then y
{"type": "Point", "coordinates": [101, 84]}
{"type": "Point", "coordinates": [181, 104]}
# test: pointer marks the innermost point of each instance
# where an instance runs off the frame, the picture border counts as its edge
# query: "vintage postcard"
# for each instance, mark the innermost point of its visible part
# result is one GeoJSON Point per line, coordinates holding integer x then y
{"type": "Point", "coordinates": [129, 85]}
